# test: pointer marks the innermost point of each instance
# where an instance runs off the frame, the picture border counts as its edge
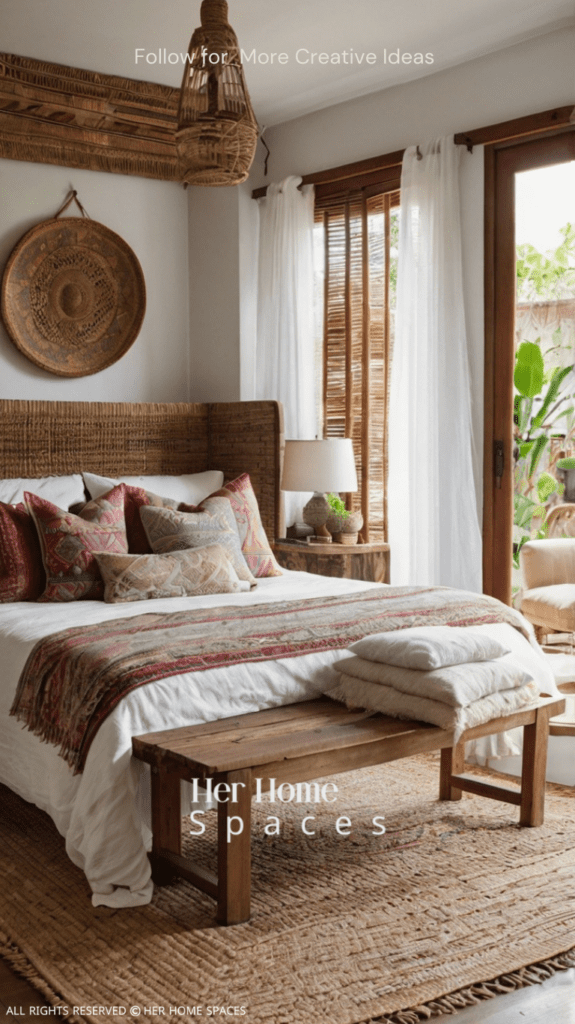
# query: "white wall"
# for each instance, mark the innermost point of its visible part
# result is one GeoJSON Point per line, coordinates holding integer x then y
{"type": "Point", "coordinates": [214, 293]}
{"type": "Point", "coordinates": [223, 224]}
{"type": "Point", "coordinates": [151, 217]}
{"type": "Point", "coordinates": [535, 75]}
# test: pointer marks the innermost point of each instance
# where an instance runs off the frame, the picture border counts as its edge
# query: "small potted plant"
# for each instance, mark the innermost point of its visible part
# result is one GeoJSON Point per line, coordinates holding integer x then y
{"type": "Point", "coordinates": [343, 524]}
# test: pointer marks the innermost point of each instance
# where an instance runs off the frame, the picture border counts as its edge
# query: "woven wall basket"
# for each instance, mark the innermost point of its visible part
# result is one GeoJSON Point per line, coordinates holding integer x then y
{"type": "Point", "coordinates": [73, 296]}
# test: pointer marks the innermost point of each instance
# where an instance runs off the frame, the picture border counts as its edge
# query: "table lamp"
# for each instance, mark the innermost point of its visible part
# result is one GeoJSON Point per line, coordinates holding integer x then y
{"type": "Point", "coordinates": [322, 467]}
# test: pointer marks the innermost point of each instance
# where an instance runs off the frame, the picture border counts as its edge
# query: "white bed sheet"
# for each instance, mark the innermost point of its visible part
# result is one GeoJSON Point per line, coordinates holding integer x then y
{"type": "Point", "coordinates": [101, 812]}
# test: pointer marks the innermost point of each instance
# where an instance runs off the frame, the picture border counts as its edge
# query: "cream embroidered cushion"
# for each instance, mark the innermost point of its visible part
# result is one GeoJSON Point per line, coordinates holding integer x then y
{"type": "Point", "coordinates": [188, 573]}
{"type": "Point", "coordinates": [170, 530]}
{"type": "Point", "coordinates": [429, 647]}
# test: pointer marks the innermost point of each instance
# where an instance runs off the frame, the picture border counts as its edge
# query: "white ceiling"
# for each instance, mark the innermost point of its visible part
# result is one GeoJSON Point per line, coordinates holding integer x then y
{"type": "Point", "coordinates": [102, 35]}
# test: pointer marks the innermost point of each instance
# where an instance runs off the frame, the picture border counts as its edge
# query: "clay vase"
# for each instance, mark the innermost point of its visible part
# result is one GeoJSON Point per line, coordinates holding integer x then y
{"type": "Point", "coordinates": [345, 531]}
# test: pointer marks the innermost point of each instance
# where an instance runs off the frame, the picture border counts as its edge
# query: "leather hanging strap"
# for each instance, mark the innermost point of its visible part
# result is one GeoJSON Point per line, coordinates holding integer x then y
{"type": "Point", "coordinates": [72, 197]}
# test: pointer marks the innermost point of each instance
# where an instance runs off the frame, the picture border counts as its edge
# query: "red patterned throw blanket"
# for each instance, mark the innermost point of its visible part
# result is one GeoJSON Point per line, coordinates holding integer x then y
{"type": "Point", "coordinates": [73, 679]}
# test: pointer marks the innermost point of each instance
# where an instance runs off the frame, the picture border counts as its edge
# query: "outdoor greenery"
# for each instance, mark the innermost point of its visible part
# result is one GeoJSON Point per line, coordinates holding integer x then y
{"type": "Point", "coordinates": [544, 406]}
{"type": "Point", "coordinates": [549, 275]}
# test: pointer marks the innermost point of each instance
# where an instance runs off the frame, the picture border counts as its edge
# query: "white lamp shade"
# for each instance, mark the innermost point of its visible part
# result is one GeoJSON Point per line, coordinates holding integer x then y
{"type": "Point", "coordinates": [319, 466]}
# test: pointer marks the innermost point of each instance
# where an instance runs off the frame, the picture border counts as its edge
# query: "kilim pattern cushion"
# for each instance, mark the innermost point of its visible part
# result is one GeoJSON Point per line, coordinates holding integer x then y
{"type": "Point", "coordinates": [22, 576]}
{"type": "Point", "coordinates": [68, 543]}
{"type": "Point", "coordinates": [169, 530]}
{"type": "Point", "coordinates": [255, 545]}
{"type": "Point", "coordinates": [187, 573]}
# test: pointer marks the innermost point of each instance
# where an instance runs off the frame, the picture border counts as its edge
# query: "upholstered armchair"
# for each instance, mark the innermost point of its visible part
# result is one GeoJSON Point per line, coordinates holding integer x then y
{"type": "Point", "coordinates": [548, 570]}
{"type": "Point", "coordinates": [561, 520]}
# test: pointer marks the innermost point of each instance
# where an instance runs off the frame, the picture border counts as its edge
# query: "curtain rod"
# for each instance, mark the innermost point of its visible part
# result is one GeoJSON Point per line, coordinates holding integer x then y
{"type": "Point", "coordinates": [559, 117]}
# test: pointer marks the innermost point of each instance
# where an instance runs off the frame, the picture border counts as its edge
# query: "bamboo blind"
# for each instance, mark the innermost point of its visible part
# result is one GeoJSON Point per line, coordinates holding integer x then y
{"type": "Point", "coordinates": [357, 340]}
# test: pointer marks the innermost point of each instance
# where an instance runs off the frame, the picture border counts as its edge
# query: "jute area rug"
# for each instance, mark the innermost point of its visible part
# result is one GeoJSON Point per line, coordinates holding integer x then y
{"type": "Point", "coordinates": [344, 930]}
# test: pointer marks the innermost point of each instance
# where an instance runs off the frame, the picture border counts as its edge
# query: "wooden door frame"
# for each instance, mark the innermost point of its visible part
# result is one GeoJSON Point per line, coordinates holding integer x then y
{"type": "Point", "coordinates": [502, 162]}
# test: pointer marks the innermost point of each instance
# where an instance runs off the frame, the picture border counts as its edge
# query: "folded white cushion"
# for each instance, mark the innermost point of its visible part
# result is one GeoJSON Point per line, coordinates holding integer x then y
{"type": "Point", "coordinates": [191, 488]}
{"type": "Point", "coordinates": [62, 491]}
{"type": "Point", "coordinates": [456, 685]}
{"type": "Point", "coordinates": [360, 693]}
{"type": "Point", "coordinates": [429, 647]}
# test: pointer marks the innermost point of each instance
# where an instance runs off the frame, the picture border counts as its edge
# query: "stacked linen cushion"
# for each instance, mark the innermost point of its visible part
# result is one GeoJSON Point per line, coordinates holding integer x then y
{"type": "Point", "coordinates": [451, 676]}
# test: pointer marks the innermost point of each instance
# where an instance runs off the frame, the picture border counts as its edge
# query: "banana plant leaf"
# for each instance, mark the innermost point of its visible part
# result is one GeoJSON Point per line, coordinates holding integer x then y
{"type": "Point", "coordinates": [529, 369]}
{"type": "Point", "coordinates": [522, 408]}
{"type": "Point", "coordinates": [546, 486]}
{"type": "Point", "coordinates": [558, 376]}
{"type": "Point", "coordinates": [525, 509]}
{"type": "Point", "coordinates": [539, 447]}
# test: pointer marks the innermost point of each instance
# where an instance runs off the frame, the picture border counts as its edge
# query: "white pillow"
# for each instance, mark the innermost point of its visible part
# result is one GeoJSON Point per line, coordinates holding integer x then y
{"type": "Point", "coordinates": [191, 487]}
{"type": "Point", "coordinates": [429, 647]}
{"type": "Point", "coordinates": [62, 491]}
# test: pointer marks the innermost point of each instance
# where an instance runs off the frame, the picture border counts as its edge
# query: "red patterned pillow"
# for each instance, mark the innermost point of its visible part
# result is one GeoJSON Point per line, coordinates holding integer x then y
{"type": "Point", "coordinates": [135, 499]}
{"type": "Point", "coordinates": [255, 546]}
{"type": "Point", "coordinates": [68, 543]}
{"type": "Point", "coordinates": [22, 576]}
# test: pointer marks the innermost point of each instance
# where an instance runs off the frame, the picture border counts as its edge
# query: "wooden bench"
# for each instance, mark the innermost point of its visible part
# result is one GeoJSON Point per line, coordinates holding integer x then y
{"type": "Point", "coordinates": [298, 743]}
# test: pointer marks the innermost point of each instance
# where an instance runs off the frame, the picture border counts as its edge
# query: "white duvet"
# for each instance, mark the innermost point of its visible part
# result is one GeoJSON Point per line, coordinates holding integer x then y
{"type": "Point", "coordinates": [103, 813]}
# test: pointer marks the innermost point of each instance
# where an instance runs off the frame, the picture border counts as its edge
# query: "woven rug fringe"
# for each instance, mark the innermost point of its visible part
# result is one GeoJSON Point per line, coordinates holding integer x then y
{"type": "Point", "coordinates": [22, 966]}
{"type": "Point", "coordinates": [533, 974]}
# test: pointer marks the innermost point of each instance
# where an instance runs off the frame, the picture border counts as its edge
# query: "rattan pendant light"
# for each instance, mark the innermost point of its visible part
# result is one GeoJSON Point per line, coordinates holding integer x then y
{"type": "Point", "coordinates": [217, 130]}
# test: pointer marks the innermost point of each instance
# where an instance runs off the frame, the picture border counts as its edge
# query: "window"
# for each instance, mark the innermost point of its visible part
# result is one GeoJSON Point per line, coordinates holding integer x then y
{"type": "Point", "coordinates": [356, 274]}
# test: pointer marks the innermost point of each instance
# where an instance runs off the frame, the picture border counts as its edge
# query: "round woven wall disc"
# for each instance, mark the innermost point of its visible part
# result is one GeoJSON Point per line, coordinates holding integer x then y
{"type": "Point", "coordinates": [73, 296]}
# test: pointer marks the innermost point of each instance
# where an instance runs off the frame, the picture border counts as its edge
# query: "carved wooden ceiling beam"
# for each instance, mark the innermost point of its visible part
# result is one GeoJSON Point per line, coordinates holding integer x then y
{"type": "Point", "coordinates": [51, 113]}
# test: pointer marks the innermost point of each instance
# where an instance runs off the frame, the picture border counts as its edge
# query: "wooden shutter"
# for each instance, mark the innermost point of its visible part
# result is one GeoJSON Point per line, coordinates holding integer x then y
{"type": "Point", "coordinates": [357, 340]}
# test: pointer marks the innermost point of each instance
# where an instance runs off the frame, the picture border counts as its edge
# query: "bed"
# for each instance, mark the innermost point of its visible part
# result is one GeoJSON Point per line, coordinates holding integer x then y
{"type": "Point", "coordinates": [103, 813]}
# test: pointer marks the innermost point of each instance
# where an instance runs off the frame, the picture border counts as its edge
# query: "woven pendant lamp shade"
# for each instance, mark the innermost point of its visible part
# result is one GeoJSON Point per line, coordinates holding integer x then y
{"type": "Point", "coordinates": [217, 130]}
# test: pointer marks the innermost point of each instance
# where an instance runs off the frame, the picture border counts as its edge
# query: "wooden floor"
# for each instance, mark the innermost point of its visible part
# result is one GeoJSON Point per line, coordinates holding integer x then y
{"type": "Point", "coordinates": [17, 995]}
{"type": "Point", "coordinates": [551, 1003]}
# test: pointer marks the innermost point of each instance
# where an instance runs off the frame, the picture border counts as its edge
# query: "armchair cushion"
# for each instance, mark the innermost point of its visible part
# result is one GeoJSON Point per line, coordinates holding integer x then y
{"type": "Point", "coordinates": [545, 563]}
{"type": "Point", "coordinates": [551, 606]}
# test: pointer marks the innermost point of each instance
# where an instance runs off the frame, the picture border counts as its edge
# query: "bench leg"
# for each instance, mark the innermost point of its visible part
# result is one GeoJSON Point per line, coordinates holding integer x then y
{"type": "Point", "coordinates": [452, 763]}
{"type": "Point", "coordinates": [234, 857]}
{"type": "Point", "coordinates": [166, 822]}
{"type": "Point", "coordinates": [535, 738]}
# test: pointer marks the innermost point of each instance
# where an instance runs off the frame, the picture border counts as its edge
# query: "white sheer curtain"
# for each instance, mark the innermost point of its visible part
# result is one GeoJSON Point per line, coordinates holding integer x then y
{"type": "Point", "coordinates": [435, 535]}
{"type": "Point", "coordinates": [285, 367]}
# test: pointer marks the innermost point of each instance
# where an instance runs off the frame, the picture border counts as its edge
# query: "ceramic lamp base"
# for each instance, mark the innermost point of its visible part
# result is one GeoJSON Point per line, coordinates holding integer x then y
{"type": "Point", "coordinates": [315, 514]}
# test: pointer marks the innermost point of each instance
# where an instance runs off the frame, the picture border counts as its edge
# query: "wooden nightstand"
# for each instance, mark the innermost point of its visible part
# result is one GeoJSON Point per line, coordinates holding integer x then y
{"type": "Point", "coordinates": [368, 562]}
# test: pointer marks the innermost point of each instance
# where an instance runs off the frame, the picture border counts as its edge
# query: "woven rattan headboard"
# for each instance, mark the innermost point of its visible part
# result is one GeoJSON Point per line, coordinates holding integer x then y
{"type": "Point", "coordinates": [44, 438]}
